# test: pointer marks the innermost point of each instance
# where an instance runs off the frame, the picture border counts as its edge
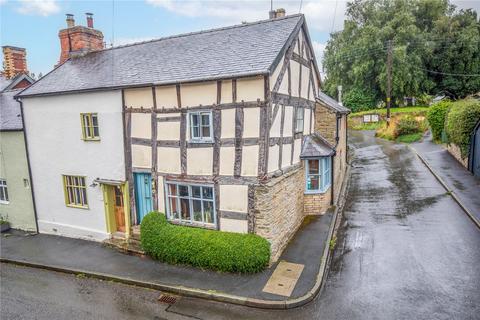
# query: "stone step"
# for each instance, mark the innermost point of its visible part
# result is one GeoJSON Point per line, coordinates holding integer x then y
{"type": "Point", "coordinates": [131, 246]}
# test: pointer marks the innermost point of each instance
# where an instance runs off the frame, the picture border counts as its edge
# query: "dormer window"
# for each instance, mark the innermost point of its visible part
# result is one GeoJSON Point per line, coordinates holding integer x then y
{"type": "Point", "coordinates": [89, 122]}
{"type": "Point", "coordinates": [201, 128]}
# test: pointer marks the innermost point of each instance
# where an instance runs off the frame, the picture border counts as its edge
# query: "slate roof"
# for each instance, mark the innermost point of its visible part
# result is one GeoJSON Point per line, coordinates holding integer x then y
{"type": "Point", "coordinates": [4, 82]}
{"type": "Point", "coordinates": [10, 114]}
{"type": "Point", "coordinates": [315, 146]}
{"type": "Point", "coordinates": [241, 50]}
{"type": "Point", "coordinates": [332, 103]}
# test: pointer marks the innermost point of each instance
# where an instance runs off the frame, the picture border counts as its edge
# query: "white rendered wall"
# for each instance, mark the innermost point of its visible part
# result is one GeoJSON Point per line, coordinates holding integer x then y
{"type": "Point", "coordinates": [56, 147]}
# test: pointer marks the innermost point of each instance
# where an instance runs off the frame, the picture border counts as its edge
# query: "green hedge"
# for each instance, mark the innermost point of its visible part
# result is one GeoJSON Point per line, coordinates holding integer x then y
{"type": "Point", "coordinates": [406, 125]}
{"type": "Point", "coordinates": [358, 100]}
{"type": "Point", "coordinates": [460, 122]}
{"type": "Point", "coordinates": [436, 117]}
{"type": "Point", "coordinates": [203, 248]}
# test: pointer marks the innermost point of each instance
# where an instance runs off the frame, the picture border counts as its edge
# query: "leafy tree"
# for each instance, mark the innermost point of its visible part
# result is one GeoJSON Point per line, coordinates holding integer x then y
{"type": "Point", "coordinates": [356, 56]}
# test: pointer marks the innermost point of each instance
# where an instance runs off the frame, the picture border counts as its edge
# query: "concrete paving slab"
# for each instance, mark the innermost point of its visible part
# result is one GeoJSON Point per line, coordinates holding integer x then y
{"type": "Point", "coordinates": [284, 278]}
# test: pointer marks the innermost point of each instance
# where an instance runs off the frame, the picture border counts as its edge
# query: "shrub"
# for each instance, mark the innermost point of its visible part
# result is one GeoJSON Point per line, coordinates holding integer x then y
{"type": "Point", "coordinates": [358, 100]}
{"type": "Point", "coordinates": [207, 249]}
{"type": "Point", "coordinates": [406, 125]}
{"type": "Point", "coordinates": [460, 122]}
{"type": "Point", "coordinates": [436, 117]}
{"type": "Point", "coordinates": [409, 138]}
{"type": "Point", "coordinates": [424, 99]}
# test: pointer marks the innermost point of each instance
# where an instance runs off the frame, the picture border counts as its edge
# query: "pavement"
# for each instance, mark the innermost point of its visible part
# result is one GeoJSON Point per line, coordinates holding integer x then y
{"type": "Point", "coordinates": [465, 187]}
{"type": "Point", "coordinates": [308, 248]}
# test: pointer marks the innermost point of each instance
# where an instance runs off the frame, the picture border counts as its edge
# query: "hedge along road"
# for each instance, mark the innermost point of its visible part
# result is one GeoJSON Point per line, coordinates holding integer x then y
{"type": "Point", "coordinates": [405, 250]}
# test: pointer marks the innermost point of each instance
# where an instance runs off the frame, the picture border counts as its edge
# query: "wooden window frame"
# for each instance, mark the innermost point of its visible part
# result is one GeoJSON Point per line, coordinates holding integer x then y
{"type": "Point", "coordinates": [88, 130]}
{"type": "Point", "coordinates": [324, 175]}
{"type": "Point", "coordinates": [83, 201]}
{"type": "Point", "coordinates": [201, 138]}
{"type": "Point", "coordinates": [4, 191]}
{"type": "Point", "coordinates": [190, 198]}
{"type": "Point", "coordinates": [299, 111]}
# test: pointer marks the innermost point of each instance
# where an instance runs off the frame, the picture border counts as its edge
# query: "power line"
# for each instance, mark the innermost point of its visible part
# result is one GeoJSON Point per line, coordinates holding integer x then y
{"type": "Point", "coordinates": [334, 15]}
{"type": "Point", "coordinates": [447, 73]}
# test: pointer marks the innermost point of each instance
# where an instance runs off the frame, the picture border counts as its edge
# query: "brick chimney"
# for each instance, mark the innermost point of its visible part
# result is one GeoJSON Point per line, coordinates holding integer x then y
{"type": "Point", "coordinates": [272, 14]}
{"type": "Point", "coordinates": [14, 61]}
{"type": "Point", "coordinates": [77, 41]}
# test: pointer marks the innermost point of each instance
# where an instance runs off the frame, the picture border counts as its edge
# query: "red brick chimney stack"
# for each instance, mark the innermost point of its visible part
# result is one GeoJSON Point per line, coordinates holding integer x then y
{"type": "Point", "coordinates": [76, 41]}
{"type": "Point", "coordinates": [14, 61]}
{"type": "Point", "coordinates": [89, 19]}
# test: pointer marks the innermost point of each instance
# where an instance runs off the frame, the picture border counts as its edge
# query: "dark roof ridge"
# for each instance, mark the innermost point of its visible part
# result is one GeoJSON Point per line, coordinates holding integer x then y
{"type": "Point", "coordinates": [181, 35]}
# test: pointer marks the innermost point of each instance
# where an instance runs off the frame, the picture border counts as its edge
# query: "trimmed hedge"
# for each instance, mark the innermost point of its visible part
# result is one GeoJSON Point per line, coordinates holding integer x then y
{"type": "Point", "coordinates": [203, 248]}
{"type": "Point", "coordinates": [436, 117]}
{"type": "Point", "coordinates": [460, 122]}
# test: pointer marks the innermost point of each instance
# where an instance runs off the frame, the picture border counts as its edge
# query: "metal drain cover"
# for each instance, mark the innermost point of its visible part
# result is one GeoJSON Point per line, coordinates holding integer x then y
{"type": "Point", "coordinates": [166, 298]}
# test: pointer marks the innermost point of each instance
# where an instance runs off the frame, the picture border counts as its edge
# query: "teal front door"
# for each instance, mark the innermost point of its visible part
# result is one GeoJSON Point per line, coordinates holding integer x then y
{"type": "Point", "coordinates": [143, 194]}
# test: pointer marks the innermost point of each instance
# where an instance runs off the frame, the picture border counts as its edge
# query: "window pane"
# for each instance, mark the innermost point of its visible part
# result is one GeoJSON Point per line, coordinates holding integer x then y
{"type": "Point", "coordinates": [183, 190]}
{"type": "Point", "coordinates": [206, 119]}
{"type": "Point", "coordinates": [196, 192]}
{"type": "Point", "coordinates": [2, 194]}
{"type": "Point", "coordinates": [313, 182]}
{"type": "Point", "coordinates": [195, 132]}
{"type": "Point", "coordinates": [194, 119]}
{"type": "Point", "coordinates": [172, 189]}
{"type": "Point", "coordinates": [208, 211]}
{"type": "Point", "coordinates": [95, 132]}
{"type": "Point", "coordinates": [207, 192]}
{"type": "Point", "coordinates": [313, 166]}
{"type": "Point", "coordinates": [94, 120]}
{"type": "Point", "coordinates": [174, 213]}
{"type": "Point", "coordinates": [205, 132]}
{"type": "Point", "coordinates": [197, 210]}
{"type": "Point", "coordinates": [185, 209]}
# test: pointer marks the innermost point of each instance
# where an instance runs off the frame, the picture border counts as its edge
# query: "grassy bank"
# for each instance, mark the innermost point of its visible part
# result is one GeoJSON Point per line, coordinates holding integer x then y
{"type": "Point", "coordinates": [383, 111]}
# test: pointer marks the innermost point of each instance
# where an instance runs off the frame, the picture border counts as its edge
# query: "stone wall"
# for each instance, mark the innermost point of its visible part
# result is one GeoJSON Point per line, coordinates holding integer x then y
{"type": "Point", "coordinates": [278, 209]}
{"type": "Point", "coordinates": [454, 150]}
{"type": "Point", "coordinates": [325, 122]}
{"type": "Point", "coordinates": [317, 203]}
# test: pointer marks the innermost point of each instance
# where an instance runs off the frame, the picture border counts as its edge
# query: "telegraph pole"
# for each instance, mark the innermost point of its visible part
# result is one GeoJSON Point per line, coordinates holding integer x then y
{"type": "Point", "coordinates": [389, 77]}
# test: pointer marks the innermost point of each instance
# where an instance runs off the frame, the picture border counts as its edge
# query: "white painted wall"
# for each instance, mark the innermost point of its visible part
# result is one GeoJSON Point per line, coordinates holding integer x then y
{"type": "Point", "coordinates": [56, 147]}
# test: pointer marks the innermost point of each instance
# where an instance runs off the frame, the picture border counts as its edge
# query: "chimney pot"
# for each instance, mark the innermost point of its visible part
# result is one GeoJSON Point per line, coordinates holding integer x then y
{"type": "Point", "coordinates": [272, 14]}
{"type": "Point", "coordinates": [89, 19]}
{"type": "Point", "coordinates": [70, 20]}
{"type": "Point", "coordinates": [280, 13]}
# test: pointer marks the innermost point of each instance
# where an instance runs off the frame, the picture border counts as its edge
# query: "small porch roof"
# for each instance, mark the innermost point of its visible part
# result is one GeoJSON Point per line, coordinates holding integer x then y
{"type": "Point", "coordinates": [315, 146]}
{"type": "Point", "coordinates": [109, 182]}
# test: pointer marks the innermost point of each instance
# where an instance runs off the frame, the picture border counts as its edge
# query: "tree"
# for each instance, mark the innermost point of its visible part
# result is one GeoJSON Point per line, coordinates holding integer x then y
{"type": "Point", "coordinates": [356, 56]}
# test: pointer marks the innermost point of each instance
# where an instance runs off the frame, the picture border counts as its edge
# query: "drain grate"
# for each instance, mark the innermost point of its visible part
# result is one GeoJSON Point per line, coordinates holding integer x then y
{"type": "Point", "coordinates": [168, 299]}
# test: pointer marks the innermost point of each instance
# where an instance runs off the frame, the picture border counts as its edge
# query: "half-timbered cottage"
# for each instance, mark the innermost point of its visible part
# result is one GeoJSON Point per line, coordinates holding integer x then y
{"type": "Point", "coordinates": [209, 127]}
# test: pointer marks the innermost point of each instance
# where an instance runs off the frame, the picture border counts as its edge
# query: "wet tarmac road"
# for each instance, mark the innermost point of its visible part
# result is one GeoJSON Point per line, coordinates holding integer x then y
{"type": "Point", "coordinates": [405, 251]}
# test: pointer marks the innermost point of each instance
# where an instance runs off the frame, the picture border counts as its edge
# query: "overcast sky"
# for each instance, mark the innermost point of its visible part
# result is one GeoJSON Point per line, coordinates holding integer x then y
{"type": "Point", "coordinates": [34, 24]}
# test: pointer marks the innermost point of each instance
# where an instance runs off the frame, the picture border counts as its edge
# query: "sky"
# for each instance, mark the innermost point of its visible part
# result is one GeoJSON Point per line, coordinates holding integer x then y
{"type": "Point", "coordinates": [34, 24]}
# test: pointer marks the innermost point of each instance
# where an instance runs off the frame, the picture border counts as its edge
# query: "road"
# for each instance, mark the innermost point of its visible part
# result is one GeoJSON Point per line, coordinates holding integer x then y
{"type": "Point", "coordinates": [405, 251]}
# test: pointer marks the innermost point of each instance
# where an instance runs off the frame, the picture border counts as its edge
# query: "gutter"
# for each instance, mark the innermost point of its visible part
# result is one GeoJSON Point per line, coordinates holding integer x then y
{"type": "Point", "coordinates": [28, 163]}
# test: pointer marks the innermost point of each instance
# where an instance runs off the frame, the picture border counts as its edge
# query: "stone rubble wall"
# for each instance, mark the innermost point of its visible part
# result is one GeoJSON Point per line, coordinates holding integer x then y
{"type": "Point", "coordinates": [454, 150]}
{"type": "Point", "coordinates": [278, 209]}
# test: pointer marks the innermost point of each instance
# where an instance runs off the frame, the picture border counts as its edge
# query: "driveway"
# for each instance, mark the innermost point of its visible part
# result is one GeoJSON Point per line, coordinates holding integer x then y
{"type": "Point", "coordinates": [405, 250]}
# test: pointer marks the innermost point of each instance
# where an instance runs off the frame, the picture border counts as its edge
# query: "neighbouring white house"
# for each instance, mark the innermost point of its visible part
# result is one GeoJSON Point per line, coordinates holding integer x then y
{"type": "Point", "coordinates": [217, 129]}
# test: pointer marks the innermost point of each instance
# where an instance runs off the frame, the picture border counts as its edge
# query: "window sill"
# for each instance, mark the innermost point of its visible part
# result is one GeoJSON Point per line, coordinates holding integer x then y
{"type": "Point", "coordinates": [193, 224]}
{"type": "Point", "coordinates": [77, 206]}
{"type": "Point", "coordinates": [4, 202]}
{"type": "Point", "coordinates": [201, 141]}
{"type": "Point", "coordinates": [91, 139]}
{"type": "Point", "coordinates": [323, 191]}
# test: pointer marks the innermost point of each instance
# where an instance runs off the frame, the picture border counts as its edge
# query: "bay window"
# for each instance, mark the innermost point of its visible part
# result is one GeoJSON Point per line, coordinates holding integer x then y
{"type": "Point", "coordinates": [318, 174]}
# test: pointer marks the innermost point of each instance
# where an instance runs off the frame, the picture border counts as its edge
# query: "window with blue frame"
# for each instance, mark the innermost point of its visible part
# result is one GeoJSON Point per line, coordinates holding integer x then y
{"type": "Point", "coordinates": [318, 174]}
